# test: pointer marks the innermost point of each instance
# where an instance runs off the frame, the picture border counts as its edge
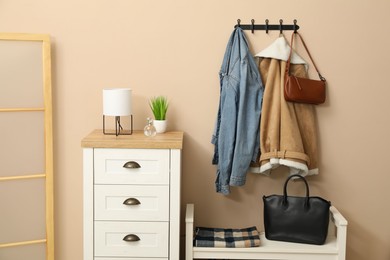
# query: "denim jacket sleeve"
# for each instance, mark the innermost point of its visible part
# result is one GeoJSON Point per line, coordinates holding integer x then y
{"type": "Point", "coordinates": [236, 132]}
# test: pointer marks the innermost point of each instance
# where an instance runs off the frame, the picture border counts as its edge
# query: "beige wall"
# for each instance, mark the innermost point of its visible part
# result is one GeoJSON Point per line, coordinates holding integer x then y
{"type": "Point", "coordinates": [175, 48]}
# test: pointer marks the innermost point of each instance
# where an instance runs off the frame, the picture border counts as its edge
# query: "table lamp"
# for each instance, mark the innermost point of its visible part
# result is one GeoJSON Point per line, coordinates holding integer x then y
{"type": "Point", "coordinates": [117, 104]}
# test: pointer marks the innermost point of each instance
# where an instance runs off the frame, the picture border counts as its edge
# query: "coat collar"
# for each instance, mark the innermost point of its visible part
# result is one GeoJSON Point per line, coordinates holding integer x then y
{"type": "Point", "coordinates": [280, 50]}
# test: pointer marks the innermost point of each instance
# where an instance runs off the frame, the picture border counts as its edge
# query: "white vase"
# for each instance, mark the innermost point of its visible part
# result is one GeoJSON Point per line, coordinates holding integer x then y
{"type": "Point", "coordinates": [160, 125]}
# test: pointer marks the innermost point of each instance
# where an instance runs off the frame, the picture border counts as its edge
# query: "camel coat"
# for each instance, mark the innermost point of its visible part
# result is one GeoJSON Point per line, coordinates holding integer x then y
{"type": "Point", "coordinates": [288, 131]}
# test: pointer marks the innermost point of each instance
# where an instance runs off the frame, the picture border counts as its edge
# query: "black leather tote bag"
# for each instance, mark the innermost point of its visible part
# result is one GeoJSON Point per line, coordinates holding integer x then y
{"type": "Point", "coordinates": [296, 219]}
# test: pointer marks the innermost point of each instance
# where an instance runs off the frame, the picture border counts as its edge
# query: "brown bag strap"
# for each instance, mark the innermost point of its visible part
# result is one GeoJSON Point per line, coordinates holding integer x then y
{"type": "Point", "coordinates": [307, 50]}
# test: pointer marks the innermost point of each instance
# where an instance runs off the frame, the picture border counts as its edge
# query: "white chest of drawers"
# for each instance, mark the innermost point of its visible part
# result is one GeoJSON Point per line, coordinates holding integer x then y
{"type": "Point", "coordinates": [132, 196]}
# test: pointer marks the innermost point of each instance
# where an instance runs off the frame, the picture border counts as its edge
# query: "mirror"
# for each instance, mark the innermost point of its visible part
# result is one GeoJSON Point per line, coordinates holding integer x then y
{"type": "Point", "coordinates": [26, 169]}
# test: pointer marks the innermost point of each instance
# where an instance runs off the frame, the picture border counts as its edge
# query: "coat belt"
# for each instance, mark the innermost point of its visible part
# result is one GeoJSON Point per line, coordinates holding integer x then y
{"type": "Point", "coordinates": [285, 155]}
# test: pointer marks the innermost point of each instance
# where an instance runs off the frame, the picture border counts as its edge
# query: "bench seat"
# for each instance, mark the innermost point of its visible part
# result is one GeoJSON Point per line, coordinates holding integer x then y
{"type": "Point", "coordinates": [333, 249]}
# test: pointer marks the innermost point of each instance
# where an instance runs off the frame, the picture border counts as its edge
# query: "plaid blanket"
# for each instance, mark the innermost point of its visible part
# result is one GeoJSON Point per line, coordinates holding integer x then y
{"type": "Point", "coordinates": [220, 237]}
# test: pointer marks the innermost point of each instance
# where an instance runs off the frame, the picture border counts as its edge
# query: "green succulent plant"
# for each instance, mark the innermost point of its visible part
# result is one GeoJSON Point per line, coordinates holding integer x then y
{"type": "Point", "coordinates": [159, 106]}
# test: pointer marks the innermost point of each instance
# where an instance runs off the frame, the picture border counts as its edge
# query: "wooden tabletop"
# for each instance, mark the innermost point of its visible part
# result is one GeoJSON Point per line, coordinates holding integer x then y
{"type": "Point", "coordinates": [167, 140]}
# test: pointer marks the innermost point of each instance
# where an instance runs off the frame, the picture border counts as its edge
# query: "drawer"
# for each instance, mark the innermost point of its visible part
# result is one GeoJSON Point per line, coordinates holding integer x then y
{"type": "Point", "coordinates": [131, 166]}
{"type": "Point", "coordinates": [109, 239]}
{"type": "Point", "coordinates": [132, 202]}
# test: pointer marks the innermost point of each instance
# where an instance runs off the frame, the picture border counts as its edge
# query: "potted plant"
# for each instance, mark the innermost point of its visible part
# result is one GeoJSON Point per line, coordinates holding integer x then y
{"type": "Point", "coordinates": [159, 106]}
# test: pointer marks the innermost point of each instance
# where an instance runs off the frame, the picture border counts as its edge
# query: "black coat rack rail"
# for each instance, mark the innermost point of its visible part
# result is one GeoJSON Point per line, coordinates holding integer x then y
{"type": "Point", "coordinates": [268, 27]}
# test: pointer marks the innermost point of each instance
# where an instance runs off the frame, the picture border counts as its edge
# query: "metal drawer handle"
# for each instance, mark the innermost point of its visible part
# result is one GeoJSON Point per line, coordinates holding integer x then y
{"type": "Point", "coordinates": [131, 202]}
{"type": "Point", "coordinates": [131, 165]}
{"type": "Point", "coordinates": [131, 238]}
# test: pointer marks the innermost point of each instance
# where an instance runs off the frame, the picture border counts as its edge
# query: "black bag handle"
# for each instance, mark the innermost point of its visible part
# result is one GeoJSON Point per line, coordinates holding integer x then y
{"type": "Point", "coordinates": [285, 188]}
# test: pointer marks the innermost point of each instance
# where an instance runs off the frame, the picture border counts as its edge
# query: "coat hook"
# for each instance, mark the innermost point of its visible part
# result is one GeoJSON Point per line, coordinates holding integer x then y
{"type": "Point", "coordinates": [281, 26]}
{"type": "Point", "coordinates": [253, 25]}
{"type": "Point", "coordinates": [266, 25]}
{"type": "Point", "coordinates": [295, 25]}
{"type": "Point", "coordinates": [238, 22]}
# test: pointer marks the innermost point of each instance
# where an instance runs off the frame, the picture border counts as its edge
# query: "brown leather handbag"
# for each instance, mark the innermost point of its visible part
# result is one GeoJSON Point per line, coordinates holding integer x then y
{"type": "Point", "coordinates": [303, 90]}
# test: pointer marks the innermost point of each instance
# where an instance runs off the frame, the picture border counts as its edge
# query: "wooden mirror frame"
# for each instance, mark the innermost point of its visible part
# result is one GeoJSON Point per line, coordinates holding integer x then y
{"type": "Point", "coordinates": [48, 139]}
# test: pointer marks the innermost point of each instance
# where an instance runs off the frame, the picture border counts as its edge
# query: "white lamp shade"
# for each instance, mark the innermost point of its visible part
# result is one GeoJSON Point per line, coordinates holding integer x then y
{"type": "Point", "coordinates": [117, 102]}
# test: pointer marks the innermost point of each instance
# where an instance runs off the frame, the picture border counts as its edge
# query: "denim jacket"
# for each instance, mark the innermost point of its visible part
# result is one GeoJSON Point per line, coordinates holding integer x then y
{"type": "Point", "coordinates": [236, 133]}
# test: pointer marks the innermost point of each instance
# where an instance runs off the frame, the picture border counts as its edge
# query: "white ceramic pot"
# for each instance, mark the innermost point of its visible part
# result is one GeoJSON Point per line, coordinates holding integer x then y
{"type": "Point", "coordinates": [160, 125]}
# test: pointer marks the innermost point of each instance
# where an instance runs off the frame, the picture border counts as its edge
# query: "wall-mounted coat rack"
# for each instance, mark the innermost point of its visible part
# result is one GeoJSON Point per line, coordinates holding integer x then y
{"type": "Point", "coordinates": [267, 27]}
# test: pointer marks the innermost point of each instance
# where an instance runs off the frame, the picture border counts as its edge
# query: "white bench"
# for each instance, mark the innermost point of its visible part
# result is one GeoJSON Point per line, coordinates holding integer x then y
{"type": "Point", "coordinates": [333, 249]}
